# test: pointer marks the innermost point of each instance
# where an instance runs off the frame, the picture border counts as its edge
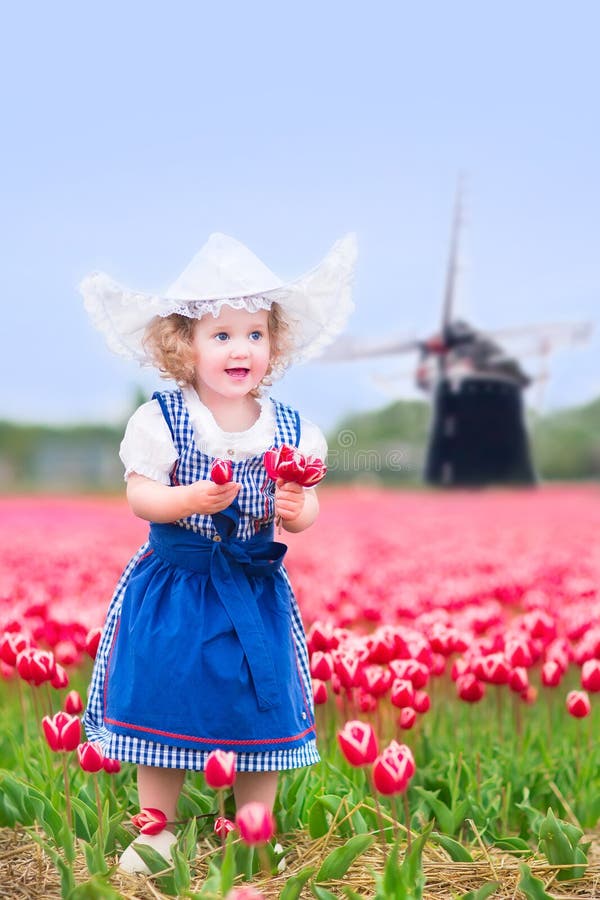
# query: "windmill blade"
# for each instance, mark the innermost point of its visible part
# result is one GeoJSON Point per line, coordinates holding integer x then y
{"type": "Point", "coordinates": [451, 271]}
{"type": "Point", "coordinates": [553, 332]}
{"type": "Point", "coordinates": [348, 348]}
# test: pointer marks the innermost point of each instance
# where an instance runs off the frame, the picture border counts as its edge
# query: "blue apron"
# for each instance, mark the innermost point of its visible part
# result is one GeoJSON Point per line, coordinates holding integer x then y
{"type": "Point", "coordinates": [204, 654]}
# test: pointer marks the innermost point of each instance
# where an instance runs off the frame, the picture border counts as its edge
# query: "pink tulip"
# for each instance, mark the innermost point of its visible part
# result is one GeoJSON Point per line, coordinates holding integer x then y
{"type": "Point", "coordinates": [91, 757]}
{"type": "Point", "coordinates": [255, 823]}
{"type": "Point", "coordinates": [73, 703]}
{"type": "Point", "coordinates": [223, 826]}
{"type": "Point", "coordinates": [358, 743]}
{"type": "Point", "coordinates": [111, 766]}
{"type": "Point", "coordinates": [219, 771]}
{"type": "Point", "coordinates": [578, 704]}
{"type": "Point", "coordinates": [150, 820]}
{"type": "Point", "coordinates": [221, 471]}
{"type": "Point", "coordinates": [62, 731]}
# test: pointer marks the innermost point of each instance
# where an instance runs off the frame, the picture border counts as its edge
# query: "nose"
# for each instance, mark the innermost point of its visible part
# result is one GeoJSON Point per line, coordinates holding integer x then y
{"type": "Point", "coordinates": [238, 349]}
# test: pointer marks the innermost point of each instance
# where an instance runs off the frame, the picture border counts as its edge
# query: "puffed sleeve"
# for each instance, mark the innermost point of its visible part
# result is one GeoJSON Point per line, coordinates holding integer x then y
{"type": "Point", "coordinates": [147, 447]}
{"type": "Point", "coordinates": [312, 440]}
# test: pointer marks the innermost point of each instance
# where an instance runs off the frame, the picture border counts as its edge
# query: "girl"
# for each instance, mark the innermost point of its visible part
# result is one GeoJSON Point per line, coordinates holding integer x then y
{"type": "Point", "coordinates": [203, 646]}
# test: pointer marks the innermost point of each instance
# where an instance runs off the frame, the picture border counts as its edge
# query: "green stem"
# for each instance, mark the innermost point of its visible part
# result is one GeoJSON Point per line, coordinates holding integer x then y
{"type": "Point", "coordinates": [67, 791]}
{"type": "Point", "coordinates": [407, 820]}
{"type": "Point", "coordinates": [23, 712]}
{"type": "Point", "coordinates": [99, 808]}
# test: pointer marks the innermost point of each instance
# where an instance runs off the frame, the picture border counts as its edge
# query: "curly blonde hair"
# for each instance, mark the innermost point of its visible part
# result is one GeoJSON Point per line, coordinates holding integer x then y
{"type": "Point", "coordinates": [168, 342]}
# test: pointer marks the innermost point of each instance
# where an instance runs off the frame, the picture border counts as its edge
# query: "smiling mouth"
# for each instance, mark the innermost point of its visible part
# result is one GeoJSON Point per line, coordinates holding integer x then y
{"type": "Point", "coordinates": [238, 372]}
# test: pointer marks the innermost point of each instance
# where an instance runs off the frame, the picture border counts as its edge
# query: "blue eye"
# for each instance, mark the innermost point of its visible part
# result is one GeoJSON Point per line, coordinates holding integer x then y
{"type": "Point", "coordinates": [222, 336]}
{"type": "Point", "coordinates": [255, 335]}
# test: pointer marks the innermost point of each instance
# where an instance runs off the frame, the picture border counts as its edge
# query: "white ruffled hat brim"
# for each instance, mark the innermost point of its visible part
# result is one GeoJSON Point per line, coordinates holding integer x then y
{"type": "Point", "coordinates": [316, 306]}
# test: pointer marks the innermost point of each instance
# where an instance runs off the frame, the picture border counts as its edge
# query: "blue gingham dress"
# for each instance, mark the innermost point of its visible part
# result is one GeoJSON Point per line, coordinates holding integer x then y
{"type": "Point", "coordinates": [256, 505]}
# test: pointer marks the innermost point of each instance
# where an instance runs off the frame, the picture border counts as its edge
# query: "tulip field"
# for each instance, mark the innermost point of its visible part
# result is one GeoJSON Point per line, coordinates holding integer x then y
{"type": "Point", "coordinates": [454, 644]}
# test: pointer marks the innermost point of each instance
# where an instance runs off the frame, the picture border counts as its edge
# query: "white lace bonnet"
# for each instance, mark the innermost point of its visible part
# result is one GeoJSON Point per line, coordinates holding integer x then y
{"type": "Point", "coordinates": [316, 306]}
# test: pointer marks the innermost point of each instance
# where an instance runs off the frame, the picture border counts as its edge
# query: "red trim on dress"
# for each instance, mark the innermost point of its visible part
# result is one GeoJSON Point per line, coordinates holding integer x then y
{"type": "Point", "coordinates": [201, 740]}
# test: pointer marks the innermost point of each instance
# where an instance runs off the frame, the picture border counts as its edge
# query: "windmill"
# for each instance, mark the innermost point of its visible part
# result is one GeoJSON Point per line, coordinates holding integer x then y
{"type": "Point", "coordinates": [477, 434]}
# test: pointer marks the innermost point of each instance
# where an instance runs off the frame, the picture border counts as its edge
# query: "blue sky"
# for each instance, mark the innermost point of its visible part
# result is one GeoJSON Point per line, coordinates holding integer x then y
{"type": "Point", "coordinates": [133, 130]}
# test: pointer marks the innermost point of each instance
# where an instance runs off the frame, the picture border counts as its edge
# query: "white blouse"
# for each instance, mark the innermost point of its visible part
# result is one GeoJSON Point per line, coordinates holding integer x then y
{"type": "Point", "coordinates": [147, 447]}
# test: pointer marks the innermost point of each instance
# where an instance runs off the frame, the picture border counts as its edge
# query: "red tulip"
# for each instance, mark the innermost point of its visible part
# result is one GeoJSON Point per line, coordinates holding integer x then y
{"type": "Point", "coordinates": [578, 704]}
{"type": "Point", "coordinates": [244, 892]}
{"type": "Point", "coordinates": [402, 693]}
{"type": "Point", "coordinates": [255, 823]}
{"type": "Point", "coordinates": [60, 679]}
{"type": "Point", "coordinates": [223, 826]}
{"type": "Point", "coordinates": [11, 645]}
{"type": "Point", "coordinates": [347, 668]}
{"type": "Point", "coordinates": [552, 673]}
{"type": "Point", "coordinates": [518, 680]}
{"type": "Point", "coordinates": [421, 702]}
{"type": "Point", "coordinates": [396, 749]}
{"type": "Point", "coordinates": [358, 742]}
{"type": "Point", "coordinates": [288, 463]}
{"type": "Point", "coordinates": [469, 688]}
{"type": "Point", "coordinates": [321, 637]}
{"type": "Point", "coordinates": [376, 679]}
{"type": "Point", "coordinates": [407, 718]}
{"type": "Point", "coordinates": [91, 757]}
{"type": "Point", "coordinates": [62, 731]}
{"type": "Point", "coordinates": [111, 766]}
{"type": "Point", "coordinates": [319, 692]}
{"type": "Point", "coordinates": [221, 471]}
{"type": "Point", "coordinates": [366, 701]}
{"type": "Point", "coordinates": [492, 668]}
{"type": "Point", "coordinates": [35, 666]}
{"type": "Point", "coordinates": [314, 471]}
{"type": "Point", "coordinates": [150, 820]}
{"type": "Point", "coordinates": [91, 642]}
{"type": "Point", "coordinates": [73, 703]}
{"type": "Point", "coordinates": [219, 771]}
{"type": "Point", "coordinates": [413, 669]}
{"type": "Point", "coordinates": [321, 665]}
{"type": "Point", "coordinates": [518, 653]}
{"type": "Point", "coordinates": [590, 675]}
{"type": "Point", "coordinates": [393, 769]}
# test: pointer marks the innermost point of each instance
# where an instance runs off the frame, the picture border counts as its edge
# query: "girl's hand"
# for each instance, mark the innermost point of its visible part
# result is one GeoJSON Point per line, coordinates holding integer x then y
{"type": "Point", "coordinates": [206, 497]}
{"type": "Point", "coordinates": [289, 500]}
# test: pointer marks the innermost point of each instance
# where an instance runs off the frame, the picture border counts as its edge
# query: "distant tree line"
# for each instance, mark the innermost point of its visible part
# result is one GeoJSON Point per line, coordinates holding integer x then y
{"type": "Point", "coordinates": [386, 446]}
